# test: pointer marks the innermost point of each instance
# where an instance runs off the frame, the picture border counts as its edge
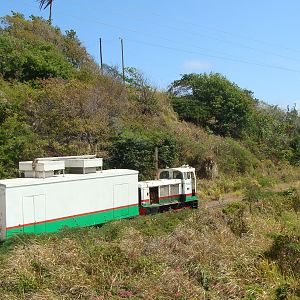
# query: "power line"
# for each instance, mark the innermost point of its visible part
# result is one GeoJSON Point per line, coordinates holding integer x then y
{"type": "Point", "coordinates": [219, 39]}
{"type": "Point", "coordinates": [211, 29]}
{"type": "Point", "coordinates": [229, 33]}
{"type": "Point", "coordinates": [215, 56]}
{"type": "Point", "coordinates": [229, 58]}
{"type": "Point", "coordinates": [169, 40]}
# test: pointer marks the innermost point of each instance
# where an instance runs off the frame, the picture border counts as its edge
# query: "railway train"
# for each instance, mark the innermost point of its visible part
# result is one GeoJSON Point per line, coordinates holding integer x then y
{"type": "Point", "coordinates": [74, 191]}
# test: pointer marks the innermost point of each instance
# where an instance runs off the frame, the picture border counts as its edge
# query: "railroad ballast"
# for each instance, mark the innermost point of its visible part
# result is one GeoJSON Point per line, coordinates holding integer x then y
{"type": "Point", "coordinates": [72, 191]}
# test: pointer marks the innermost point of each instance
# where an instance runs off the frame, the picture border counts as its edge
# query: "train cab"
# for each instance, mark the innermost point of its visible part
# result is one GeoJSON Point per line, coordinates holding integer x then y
{"type": "Point", "coordinates": [175, 187]}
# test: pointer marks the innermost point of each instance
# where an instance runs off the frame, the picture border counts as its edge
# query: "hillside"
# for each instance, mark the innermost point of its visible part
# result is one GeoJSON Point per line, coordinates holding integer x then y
{"type": "Point", "coordinates": [55, 101]}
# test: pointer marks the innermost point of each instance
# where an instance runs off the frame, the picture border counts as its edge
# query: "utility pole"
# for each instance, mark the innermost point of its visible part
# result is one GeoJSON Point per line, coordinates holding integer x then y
{"type": "Point", "coordinates": [101, 61]}
{"type": "Point", "coordinates": [156, 162]}
{"type": "Point", "coordinates": [123, 65]}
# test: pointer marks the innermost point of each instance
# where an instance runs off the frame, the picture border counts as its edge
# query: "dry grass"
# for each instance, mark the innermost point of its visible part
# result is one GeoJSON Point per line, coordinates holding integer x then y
{"type": "Point", "coordinates": [191, 254]}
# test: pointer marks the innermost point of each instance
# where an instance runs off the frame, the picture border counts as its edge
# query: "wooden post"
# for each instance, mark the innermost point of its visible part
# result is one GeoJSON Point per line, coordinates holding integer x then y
{"type": "Point", "coordinates": [156, 163]}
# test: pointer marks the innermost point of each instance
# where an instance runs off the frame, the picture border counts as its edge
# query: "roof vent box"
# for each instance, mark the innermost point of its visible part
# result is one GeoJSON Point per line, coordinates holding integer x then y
{"type": "Point", "coordinates": [83, 166]}
{"type": "Point", "coordinates": [48, 166]}
{"type": "Point", "coordinates": [40, 169]}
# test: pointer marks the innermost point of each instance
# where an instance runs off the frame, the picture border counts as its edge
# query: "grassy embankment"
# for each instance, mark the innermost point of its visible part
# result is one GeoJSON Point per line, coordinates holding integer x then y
{"type": "Point", "coordinates": [229, 253]}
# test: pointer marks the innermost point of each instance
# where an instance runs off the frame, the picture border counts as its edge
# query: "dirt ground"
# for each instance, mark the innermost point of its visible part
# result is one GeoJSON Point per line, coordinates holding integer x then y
{"type": "Point", "coordinates": [232, 197]}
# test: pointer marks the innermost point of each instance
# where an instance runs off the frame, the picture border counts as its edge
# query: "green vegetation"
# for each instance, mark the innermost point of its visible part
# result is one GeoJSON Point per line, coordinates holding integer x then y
{"type": "Point", "coordinates": [130, 146]}
{"type": "Point", "coordinates": [190, 254]}
{"type": "Point", "coordinates": [213, 102]}
{"type": "Point", "coordinates": [53, 101]}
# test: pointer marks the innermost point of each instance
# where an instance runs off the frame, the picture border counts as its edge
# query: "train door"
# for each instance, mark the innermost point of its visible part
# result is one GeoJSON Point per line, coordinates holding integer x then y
{"type": "Point", "coordinates": [154, 198]}
{"type": "Point", "coordinates": [28, 214]}
{"type": "Point", "coordinates": [193, 184]}
{"type": "Point", "coordinates": [121, 200]}
{"type": "Point", "coordinates": [34, 214]}
{"type": "Point", "coordinates": [187, 183]}
{"type": "Point", "coordinates": [39, 213]}
{"type": "Point", "coordinates": [140, 196]}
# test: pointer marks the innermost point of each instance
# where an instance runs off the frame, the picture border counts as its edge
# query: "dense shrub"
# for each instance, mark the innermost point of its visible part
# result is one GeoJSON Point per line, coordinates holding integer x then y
{"type": "Point", "coordinates": [285, 250]}
{"type": "Point", "coordinates": [235, 216]}
{"type": "Point", "coordinates": [24, 62]}
{"type": "Point", "coordinates": [31, 49]}
{"type": "Point", "coordinates": [212, 101]}
{"type": "Point", "coordinates": [135, 150]}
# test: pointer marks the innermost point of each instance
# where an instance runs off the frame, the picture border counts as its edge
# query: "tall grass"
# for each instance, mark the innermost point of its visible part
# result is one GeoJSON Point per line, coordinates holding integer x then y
{"type": "Point", "coordinates": [190, 254]}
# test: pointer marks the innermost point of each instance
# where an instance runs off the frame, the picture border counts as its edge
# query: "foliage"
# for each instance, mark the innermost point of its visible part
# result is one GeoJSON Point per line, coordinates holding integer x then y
{"type": "Point", "coordinates": [274, 134]}
{"type": "Point", "coordinates": [61, 100]}
{"type": "Point", "coordinates": [25, 62]}
{"type": "Point", "coordinates": [253, 194]}
{"type": "Point", "coordinates": [235, 215]}
{"type": "Point", "coordinates": [285, 250]}
{"type": "Point", "coordinates": [234, 158]}
{"type": "Point", "coordinates": [45, 3]}
{"type": "Point", "coordinates": [17, 138]}
{"type": "Point", "coordinates": [79, 115]}
{"type": "Point", "coordinates": [33, 49]}
{"type": "Point", "coordinates": [295, 145]}
{"type": "Point", "coordinates": [135, 150]}
{"type": "Point", "coordinates": [220, 106]}
{"type": "Point", "coordinates": [142, 92]}
{"type": "Point", "coordinates": [212, 101]}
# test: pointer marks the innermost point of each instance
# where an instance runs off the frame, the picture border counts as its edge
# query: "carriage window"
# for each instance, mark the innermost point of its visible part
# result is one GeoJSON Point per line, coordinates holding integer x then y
{"type": "Point", "coordinates": [164, 175]}
{"type": "Point", "coordinates": [187, 175]}
{"type": "Point", "coordinates": [177, 175]}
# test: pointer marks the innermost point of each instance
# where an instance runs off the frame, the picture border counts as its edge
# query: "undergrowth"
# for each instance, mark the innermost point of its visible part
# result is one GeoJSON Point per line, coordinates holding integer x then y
{"type": "Point", "coordinates": [191, 254]}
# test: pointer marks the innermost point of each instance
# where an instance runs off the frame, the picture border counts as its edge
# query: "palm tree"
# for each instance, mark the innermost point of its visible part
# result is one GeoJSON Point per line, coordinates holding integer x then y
{"type": "Point", "coordinates": [44, 4]}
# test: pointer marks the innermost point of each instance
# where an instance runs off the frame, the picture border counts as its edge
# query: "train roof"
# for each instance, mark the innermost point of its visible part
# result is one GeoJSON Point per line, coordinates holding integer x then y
{"type": "Point", "coordinates": [159, 182]}
{"type": "Point", "coordinates": [15, 182]}
{"type": "Point", "coordinates": [185, 168]}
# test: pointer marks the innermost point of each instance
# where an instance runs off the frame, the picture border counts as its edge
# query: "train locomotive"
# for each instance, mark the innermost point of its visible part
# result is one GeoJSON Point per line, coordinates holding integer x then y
{"type": "Point", "coordinates": [74, 191]}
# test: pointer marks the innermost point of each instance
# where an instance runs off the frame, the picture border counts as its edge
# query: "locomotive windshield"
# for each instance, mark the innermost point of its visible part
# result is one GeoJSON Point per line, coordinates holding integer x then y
{"type": "Point", "coordinates": [173, 174]}
{"type": "Point", "coordinates": [177, 175]}
{"type": "Point", "coordinates": [164, 175]}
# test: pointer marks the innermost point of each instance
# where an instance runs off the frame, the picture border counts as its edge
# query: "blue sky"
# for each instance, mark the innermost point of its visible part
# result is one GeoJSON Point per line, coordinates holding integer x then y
{"type": "Point", "coordinates": [253, 43]}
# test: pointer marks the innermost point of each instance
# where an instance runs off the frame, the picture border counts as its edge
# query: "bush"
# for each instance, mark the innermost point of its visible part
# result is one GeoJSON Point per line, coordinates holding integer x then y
{"type": "Point", "coordinates": [22, 61]}
{"type": "Point", "coordinates": [135, 150]}
{"type": "Point", "coordinates": [285, 250]}
{"type": "Point", "coordinates": [235, 215]}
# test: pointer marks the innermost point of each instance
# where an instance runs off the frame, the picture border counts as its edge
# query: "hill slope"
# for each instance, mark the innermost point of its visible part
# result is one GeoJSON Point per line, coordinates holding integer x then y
{"type": "Point", "coordinates": [53, 101]}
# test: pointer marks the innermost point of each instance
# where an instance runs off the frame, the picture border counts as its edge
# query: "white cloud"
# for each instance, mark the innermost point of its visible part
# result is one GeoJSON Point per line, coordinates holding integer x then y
{"type": "Point", "coordinates": [196, 65]}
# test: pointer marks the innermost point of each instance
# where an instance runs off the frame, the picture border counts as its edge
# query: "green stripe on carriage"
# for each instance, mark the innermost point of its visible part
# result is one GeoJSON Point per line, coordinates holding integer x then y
{"type": "Point", "coordinates": [89, 219]}
{"type": "Point", "coordinates": [176, 199]}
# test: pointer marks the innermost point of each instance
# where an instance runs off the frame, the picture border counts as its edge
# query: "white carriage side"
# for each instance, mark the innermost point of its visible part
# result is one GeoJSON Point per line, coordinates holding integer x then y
{"type": "Point", "coordinates": [49, 202]}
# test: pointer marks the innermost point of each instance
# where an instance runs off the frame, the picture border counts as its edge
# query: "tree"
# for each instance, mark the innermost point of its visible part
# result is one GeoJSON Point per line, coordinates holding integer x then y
{"type": "Point", "coordinates": [213, 102]}
{"type": "Point", "coordinates": [44, 4]}
{"type": "Point", "coordinates": [274, 133]}
{"type": "Point", "coordinates": [142, 92]}
{"type": "Point", "coordinates": [24, 61]}
{"type": "Point", "coordinates": [134, 149]}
